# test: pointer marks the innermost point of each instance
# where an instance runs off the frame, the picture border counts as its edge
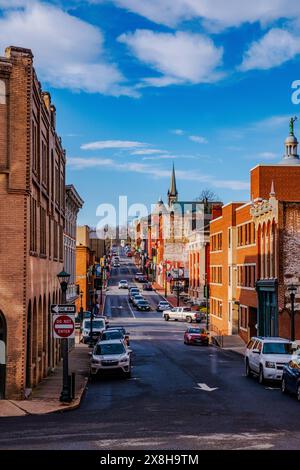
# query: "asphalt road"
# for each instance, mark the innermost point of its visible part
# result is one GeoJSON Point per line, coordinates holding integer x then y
{"type": "Point", "coordinates": [162, 406]}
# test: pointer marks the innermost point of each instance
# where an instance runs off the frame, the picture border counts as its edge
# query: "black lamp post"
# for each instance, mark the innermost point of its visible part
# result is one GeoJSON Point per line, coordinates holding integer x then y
{"type": "Point", "coordinates": [81, 307]}
{"type": "Point", "coordinates": [292, 290]}
{"type": "Point", "coordinates": [65, 395]}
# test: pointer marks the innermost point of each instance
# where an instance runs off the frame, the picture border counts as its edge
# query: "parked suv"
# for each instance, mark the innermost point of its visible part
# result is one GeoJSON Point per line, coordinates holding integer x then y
{"type": "Point", "coordinates": [183, 314]}
{"type": "Point", "coordinates": [111, 355]}
{"type": "Point", "coordinates": [266, 357]}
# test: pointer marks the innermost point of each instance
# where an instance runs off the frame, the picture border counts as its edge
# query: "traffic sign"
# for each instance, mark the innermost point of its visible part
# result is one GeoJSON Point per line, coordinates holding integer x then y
{"type": "Point", "coordinates": [63, 326]}
{"type": "Point", "coordinates": [64, 308]}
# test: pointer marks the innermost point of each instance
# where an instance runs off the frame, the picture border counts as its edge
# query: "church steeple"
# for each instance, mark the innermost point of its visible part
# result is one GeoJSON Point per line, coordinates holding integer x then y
{"type": "Point", "coordinates": [172, 192]}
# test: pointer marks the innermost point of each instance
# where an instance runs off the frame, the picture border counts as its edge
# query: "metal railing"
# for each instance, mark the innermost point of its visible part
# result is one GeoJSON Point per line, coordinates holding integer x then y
{"type": "Point", "coordinates": [216, 335]}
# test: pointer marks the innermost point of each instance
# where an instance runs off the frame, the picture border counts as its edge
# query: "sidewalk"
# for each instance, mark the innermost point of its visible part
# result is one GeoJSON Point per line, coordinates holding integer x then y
{"type": "Point", "coordinates": [45, 397]}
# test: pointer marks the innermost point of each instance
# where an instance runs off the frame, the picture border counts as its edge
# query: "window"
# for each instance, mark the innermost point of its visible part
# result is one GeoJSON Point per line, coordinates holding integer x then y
{"type": "Point", "coordinates": [216, 242]}
{"type": "Point", "coordinates": [250, 344]}
{"type": "Point", "coordinates": [229, 237]}
{"type": "Point", "coordinates": [61, 243]}
{"type": "Point", "coordinates": [216, 307]}
{"type": "Point", "coordinates": [33, 225]}
{"type": "Point", "coordinates": [246, 276]}
{"type": "Point", "coordinates": [57, 185]}
{"type": "Point", "coordinates": [243, 317]}
{"type": "Point", "coordinates": [216, 274]}
{"type": "Point", "coordinates": [246, 234]}
{"type": "Point", "coordinates": [2, 92]}
{"type": "Point", "coordinates": [277, 348]}
{"type": "Point", "coordinates": [50, 238]}
{"type": "Point", "coordinates": [43, 232]}
{"type": "Point", "coordinates": [55, 241]}
{"type": "Point", "coordinates": [45, 163]}
{"type": "Point", "coordinates": [229, 275]}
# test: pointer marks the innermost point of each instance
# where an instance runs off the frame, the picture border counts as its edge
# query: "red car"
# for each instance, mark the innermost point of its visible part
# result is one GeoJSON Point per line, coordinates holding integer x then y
{"type": "Point", "coordinates": [196, 335]}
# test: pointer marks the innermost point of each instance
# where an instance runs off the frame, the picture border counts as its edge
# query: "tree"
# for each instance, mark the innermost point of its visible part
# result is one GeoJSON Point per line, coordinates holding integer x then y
{"type": "Point", "coordinates": [207, 195]}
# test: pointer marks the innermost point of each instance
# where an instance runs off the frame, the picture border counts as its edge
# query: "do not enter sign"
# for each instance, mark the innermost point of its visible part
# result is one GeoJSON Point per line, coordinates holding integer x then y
{"type": "Point", "coordinates": [63, 326]}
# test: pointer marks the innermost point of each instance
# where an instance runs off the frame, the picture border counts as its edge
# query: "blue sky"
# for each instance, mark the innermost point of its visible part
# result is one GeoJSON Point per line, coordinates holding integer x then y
{"type": "Point", "coordinates": [140, 84]}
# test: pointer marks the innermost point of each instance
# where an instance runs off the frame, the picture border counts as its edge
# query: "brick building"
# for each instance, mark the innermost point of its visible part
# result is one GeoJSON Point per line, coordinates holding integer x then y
{"type": "Point", "coordinates": [85, 260]}
{"type": "Point", "coordinates": [73, 204]}
{"type": "Point", "coordinates": [255, 254]}
{"type": "Point", "coordinates": [32, 207]}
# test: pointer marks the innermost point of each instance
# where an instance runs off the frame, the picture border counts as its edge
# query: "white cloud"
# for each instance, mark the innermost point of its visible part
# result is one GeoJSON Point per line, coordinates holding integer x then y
{"type": "Point", "coordinates": [154, 171]}
{"type": "Point", "coordinates": [68, 51]}
{"type": "Point", "coordinates": [273, 49]}
{"type": "Point", "coordinates": [198, 139]}
{"type": "Point", "coordinates": [180, 57]}
{"type": "Point", "coordinates": [214, 13]}
{"type": "Point", "coordinates": [112, 144]}
{"type": "Point", "coordinates": [148, 152]}
{"type": "Point", "coordinates": [268, 155]}
{"type": "Point", "coordinates": [162, 157]}
{"type": "Point", "coordinates": [177, 131]}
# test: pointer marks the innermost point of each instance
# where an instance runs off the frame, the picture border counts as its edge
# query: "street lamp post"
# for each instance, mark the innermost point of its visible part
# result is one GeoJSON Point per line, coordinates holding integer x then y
{"type": "Point", "coordinates": [65, 395]}
{"type": "Point", "coordinates": [81, 307]}
{"type": "Point", "coordinates": [292, 289]}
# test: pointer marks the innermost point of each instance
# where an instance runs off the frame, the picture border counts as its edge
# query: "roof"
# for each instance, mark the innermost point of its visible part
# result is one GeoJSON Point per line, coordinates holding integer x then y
{"type": "Point", "coordinates": [275, 339]}
{"type": "Point", "coordinates": [73, 194]}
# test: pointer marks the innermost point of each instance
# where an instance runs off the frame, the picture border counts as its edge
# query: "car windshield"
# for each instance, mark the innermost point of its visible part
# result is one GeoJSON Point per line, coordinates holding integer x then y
{"type": "Point", "coordinates": [97, 324]}
{"type": "Point", "coordinates": [142, 302]}
{"type": "Point", "coordinates": [111, 335]}
{"type": "Point", "coordinates": [277, 348]}
{"type": "Point", "coordinates": [199, 331]}
{"type": "Point", "coordinates": [108, 349]}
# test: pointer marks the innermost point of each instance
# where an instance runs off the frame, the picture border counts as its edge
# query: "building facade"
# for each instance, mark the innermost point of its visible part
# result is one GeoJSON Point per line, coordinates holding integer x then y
{"type": "Point", "coordinates": [73, 204]}
{"type": "Point", "coordinates": [255, 254]}
{"type": "Point", "coordinates": [32, 217]}
{"type": "Point", "coordinates": [85, 273]}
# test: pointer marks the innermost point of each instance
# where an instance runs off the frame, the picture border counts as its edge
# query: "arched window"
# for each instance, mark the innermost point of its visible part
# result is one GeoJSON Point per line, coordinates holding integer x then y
{"type": "Point", "coordinates": [2, 92]}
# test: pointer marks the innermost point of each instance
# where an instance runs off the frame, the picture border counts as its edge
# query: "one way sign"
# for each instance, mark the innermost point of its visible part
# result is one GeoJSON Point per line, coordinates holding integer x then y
{"type": "Point", "coordinates": [64, 308]}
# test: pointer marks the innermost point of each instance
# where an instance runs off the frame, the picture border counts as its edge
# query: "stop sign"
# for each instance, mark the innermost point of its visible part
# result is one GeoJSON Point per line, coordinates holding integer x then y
{"type": "Point", "coordinates": [63, 326]}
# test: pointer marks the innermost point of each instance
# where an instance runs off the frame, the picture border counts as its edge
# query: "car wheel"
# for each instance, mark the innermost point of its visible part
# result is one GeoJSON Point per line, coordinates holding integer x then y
{"type": "Point", "coordinates": [189, 319]}
{"type": "Point", "coordinates": [167, 318]}
{"type": "Point", "coordinates": [283, 385]}
{"type": "Point", "coordinates": [248, 369]}
{"type": "Point", "coordinates": [261, 378]}
{"type": "Point", "coordinates": [127, 375]}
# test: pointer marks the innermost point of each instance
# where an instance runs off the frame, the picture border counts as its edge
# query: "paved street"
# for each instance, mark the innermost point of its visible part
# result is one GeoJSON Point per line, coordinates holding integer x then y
{"type": "Point", "coordinates": [162, 406]}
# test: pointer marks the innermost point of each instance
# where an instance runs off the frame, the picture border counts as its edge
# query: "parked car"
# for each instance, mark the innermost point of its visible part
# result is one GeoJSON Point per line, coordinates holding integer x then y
{"type": "Point", "coordinates": [291, 376]}
{"type": "Point", "coordinates": [142, 278]}
{"type": "Point", "coordinates": [163, 305]}
{"type": "Point", "coordinates": [147, 286]}
{"type": "Point", "coordinates": [137, 298]}
{"type": "Point", "coordinates": [195, 335]}
{"type": "Point", "coordinates": [111, 355]}
{"type": "Point", "coordinates": [114, 333]}
{"type": "Point", "coordinates": [143, 306]}
{"type": "Point", "coordinates": [137, 276]}
{"type": "Point", "coordinates": [182, 314]}
{"type": "Point", "coordinates": [116, 265]}
{"type": "Point", "coordinates": [266, 357]}
{"type": "Point", "coordinates": [98, 327]}
{"type": "Point", "coordinates": [123, 284]}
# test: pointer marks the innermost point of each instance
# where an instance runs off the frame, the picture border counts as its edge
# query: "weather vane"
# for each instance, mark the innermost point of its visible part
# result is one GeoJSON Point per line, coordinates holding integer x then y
{"type": "Point", "coordinates": [292, 122]}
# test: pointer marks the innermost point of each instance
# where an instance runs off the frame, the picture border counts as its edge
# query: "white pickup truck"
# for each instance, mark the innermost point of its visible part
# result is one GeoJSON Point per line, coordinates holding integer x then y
{"type": "Point", "coordinates": [182, 314]}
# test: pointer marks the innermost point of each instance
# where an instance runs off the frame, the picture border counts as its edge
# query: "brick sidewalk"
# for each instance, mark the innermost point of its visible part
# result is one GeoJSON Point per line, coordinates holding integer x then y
{"type": "Point", "coordinates": [45, 397]}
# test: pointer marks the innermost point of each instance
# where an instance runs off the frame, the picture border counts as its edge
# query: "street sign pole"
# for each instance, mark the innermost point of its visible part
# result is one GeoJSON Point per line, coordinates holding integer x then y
{"type": "Point", "coordinates": [66, 392]}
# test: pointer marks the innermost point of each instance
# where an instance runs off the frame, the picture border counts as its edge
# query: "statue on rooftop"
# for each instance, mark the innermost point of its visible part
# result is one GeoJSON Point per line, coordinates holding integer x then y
{"type": "Point", "coordinates": [292, 121]}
